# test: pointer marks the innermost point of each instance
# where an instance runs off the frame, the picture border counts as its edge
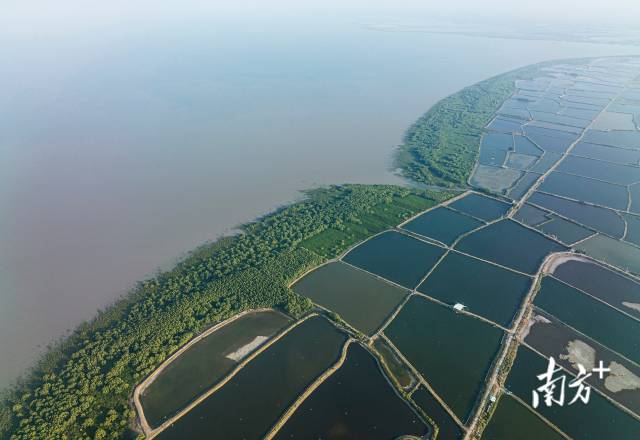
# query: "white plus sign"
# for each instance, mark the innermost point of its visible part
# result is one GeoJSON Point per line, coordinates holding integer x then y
{"type": "Point", "coordinates": [601, 370]}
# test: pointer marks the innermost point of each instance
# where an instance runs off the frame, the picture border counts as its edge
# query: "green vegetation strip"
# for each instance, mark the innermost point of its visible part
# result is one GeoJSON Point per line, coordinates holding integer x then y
{"type": "Point", "coordinates": [441, 147]}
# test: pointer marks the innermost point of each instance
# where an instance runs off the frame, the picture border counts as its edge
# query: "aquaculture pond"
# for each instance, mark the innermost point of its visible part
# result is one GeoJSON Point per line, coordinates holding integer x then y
{"type": "Point", "coordinates": [550, 142]}
{"type": "Point", "coordinates": [588, 190]}
{"type": "Point", "coordinates": [569, 348]}
{"type": "Point", "coordinates": [396, 257]}
{"type": "Point", "coordinates": [486, 289]}
{"type": "Point", "coordinates": [448, 429]}
{"type": "Point", "coordinates": [525, 146]}
{"type": "Point", "coordinates": [494, 179]}
{"type": "Point", "coordinates": [362, 300]}
{"type": "Point", "coordinates": [510, 244]}
{"type": "Point", "coordinates": [633, 228]}
{"type": "Point", "coordinates": [607, 153]}
{"type": "Point", "coordinates": [252, 401]}
{"type": "Point", "coordinates": [564, 230]}
{"type": "Point", "coordinates": [553, 127]}
{"type": "Point", "coordinates": [607, 285]}
{"type": "Point", "coordinates": [520, 161]}
{"type": "Point", "coordinates": [481, 207]}
{"type": "Point", "coordinates": [497, 140]}
{"type": "Point", "coordinates": [600, 219]}
{"type": "Point", "coordinates": [206, 362]}
{"type": "Point", "coordinates": [545, 163]}
{"type": "Point", "coordinates": [624, 139]}
{"type": "Point", "coordinates": [452, 351]}
{"type": "Point", "coordinates": [512, 420]}
{"type": "Point", "coordinates": [505, 125]}
{"type": "Point", "coordinates": [394, 366]}
{"type": "Point", "coordinates": [597, 420]}
{"type": "Point", "coordinates": [596, 169]}
{"type": "Point", "coordinates": [492, 156]}
{"type": "Point", "coordinates": [634, 191]}
{"type": "Point", "coordinates": [530, 215]}
{"type": "Point", "coordinates": [442, 224]}
{"type": "Point", "coordinates": [588, 114]}
{"type": "Point", "coordinates": [560, 119]}
{"type": "Point", "coordinates": [590, 317]}
{"type": "Point", "coordinates": [614, 121]}
{"type": "Point", "coordinates": [520, 189]}
{"type": "Point", "coordinates": [356, 402]}
{"type": "Point", "coordinates": [620, 254]}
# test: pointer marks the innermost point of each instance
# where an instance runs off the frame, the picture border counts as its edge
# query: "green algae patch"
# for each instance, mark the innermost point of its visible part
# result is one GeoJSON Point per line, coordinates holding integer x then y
{"type": "Point", "coordinates": [361, 299]}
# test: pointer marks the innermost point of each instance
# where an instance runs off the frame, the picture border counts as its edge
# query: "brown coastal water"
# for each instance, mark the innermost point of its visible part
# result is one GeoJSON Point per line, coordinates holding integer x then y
{"type": "Point", "coordinates": [124, 147]}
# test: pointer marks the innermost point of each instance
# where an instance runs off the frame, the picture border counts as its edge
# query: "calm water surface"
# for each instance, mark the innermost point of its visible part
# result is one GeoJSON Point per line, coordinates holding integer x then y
{"type": "Point", "coordinates": [124, 147]}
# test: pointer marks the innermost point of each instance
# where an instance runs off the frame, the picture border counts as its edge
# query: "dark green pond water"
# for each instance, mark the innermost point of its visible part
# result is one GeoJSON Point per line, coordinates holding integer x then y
{"type": "Point", "coordinates": [600, 219]}
{"type": "Point", "coordinates": [609, 286]}
{"type": "Point", "coordinates": [590, 317]}
{"type": "Point", "coordinates": [485, 289]}
{"type": "Point", "coordinates": [362, 300]}
{"type": "Point", "coordinates": [597, 420]}
{"type": "Point", "coordinates": [511, 420]}
{"type": "Point", "coordinates": [610, 172]}
{"type": "Point", "coordinates": [396, 257]}
{"type": "Point", "coordinates": [448, 429]}
{"type": "Point", "coordinates": [204, 364]}
{"type": "Point", "coordinates": [481, 207]}
{"type": "Point", "coordinates": [564, 230]}
{"type": "Point", "coordinates": [588, 190]}
{"type": "Point", "coordinates": [552, 338]}
{"type": "Point", "coordinates": [510, 244]}
{"type": "Point", "coordinates": [251, 402]}
{"type": "Point", "coordinates": [442, 224]}
{"type": "Point", "coordinates": [356, 402]}
{"type": "Point", "coordinates": [452, 351]}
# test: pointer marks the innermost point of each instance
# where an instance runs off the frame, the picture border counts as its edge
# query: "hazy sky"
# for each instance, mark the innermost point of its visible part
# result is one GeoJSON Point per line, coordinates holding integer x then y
{"type": "Point", "coordinates": [36, 17]}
